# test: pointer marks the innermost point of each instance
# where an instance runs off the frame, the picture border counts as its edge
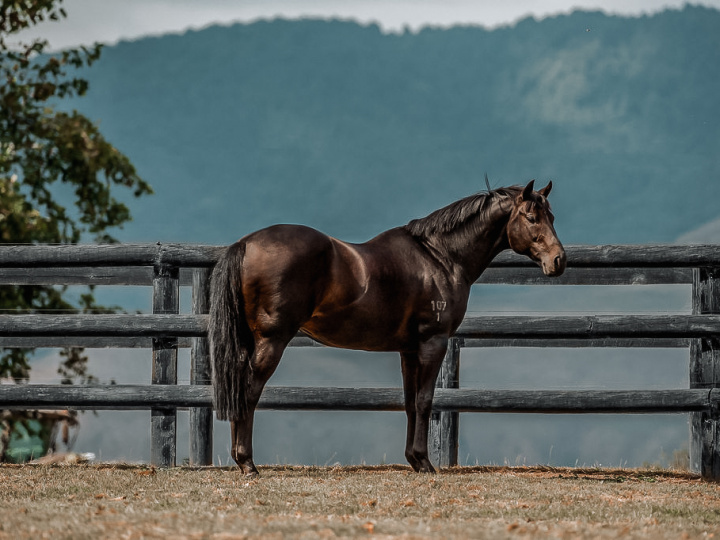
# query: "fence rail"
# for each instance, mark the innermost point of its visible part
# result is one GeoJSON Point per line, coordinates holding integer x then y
{"type": "Point", "coordinates": [199, 256]}
{"type": "Point", "coordinates": [137, 331]}
{"type": "Point", "coordinates": [367, 399]}
{"type": "Point", "coordinates": [473, 327]}
{"type": "Point", "coordinates": [119, 275]}
{"type": "Point", "coordinates": [166, 267]}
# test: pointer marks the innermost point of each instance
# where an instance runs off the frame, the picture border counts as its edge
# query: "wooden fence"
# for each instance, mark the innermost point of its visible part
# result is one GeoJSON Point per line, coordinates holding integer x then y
{"type": "Point", "coordinates": [168, 266]}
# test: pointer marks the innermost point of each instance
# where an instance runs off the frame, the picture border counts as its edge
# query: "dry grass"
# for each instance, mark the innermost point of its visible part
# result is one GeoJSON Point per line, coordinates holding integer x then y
{"type": "Point", "coordinates": [117, 501]}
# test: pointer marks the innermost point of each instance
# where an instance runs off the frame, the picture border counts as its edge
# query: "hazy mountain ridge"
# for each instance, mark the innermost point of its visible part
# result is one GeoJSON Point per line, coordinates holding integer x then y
{"type": "Point", "coordinates": [345, 128]}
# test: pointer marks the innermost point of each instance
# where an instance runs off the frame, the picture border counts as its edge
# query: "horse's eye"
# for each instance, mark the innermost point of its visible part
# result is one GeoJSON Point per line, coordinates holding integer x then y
{"type": "Point", "coordinates": [530, 217]}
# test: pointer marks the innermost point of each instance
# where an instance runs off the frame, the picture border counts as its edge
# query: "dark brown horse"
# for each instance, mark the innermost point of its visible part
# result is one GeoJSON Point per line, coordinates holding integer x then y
{"type": "Point", "coordinates": [405, 290]}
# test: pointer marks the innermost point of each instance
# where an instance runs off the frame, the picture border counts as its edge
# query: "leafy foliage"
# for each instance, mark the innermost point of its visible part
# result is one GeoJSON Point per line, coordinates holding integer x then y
{"type": "Point", "coordinates": [46, 153]}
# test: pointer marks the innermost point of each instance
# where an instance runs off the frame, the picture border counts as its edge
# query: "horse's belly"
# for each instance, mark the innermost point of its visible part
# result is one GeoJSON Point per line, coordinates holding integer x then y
{"type": "Point", "coordinates": [351, 333]}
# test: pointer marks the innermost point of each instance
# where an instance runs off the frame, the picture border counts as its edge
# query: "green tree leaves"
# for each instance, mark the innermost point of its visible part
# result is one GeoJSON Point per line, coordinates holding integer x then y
{"type": "Point", "coordinates": [45, 153]}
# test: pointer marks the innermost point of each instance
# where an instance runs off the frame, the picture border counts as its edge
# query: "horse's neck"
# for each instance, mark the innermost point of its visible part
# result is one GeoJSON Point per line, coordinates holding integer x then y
{"type": "Point", "coordinates": [473, 252]}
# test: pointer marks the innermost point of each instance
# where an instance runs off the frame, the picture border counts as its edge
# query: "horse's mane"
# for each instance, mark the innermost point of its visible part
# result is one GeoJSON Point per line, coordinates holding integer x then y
{"type": "Point", "coordinates": [457, 214]}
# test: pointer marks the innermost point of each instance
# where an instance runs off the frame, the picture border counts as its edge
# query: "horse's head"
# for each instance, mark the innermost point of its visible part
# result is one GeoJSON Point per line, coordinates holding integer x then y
{"type": "Point", "coordinates": [530, 230]}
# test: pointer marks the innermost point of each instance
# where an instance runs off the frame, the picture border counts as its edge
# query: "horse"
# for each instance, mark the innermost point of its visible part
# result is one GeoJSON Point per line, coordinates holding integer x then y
{"type": "Point", "coordinates": [406, 291]}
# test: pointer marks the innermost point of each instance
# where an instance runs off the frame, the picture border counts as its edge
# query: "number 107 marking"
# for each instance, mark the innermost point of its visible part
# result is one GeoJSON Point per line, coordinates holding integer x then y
{"type": "Point", "coordinates": [438, 306]}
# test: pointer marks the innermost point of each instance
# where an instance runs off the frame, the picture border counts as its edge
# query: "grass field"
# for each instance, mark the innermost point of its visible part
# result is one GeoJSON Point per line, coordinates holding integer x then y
{"type": "Point", "coordinates": [120, 501]}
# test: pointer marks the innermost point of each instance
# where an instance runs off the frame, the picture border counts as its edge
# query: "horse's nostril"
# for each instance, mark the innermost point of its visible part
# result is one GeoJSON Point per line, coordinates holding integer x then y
{"type": "Point", "coordinates": [557, 261]}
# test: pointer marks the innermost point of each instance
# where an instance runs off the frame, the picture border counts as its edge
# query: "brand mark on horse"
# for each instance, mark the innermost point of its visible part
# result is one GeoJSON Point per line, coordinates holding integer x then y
{"type": "Point", "coordinates": [438, 306]}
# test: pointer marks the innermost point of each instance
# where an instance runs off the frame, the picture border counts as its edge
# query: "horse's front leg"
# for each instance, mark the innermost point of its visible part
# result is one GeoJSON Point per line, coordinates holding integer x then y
{"type": "Point", "coordinates": [409, 364]}
{"type": "Point", "coordinates": [430, 359]}
{"type": "Point", "coordinates": [264, 361]}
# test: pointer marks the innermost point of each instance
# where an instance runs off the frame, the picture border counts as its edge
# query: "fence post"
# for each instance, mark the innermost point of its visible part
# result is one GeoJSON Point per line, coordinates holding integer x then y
{"type": "Point", "coordinates": [201, 420]}
{"type": "Point", "coordinates": [163, 422]}
{"type": "Point", "coordinates": [705, 373]}
{"type": "Point", "coordinates": [444, 425]}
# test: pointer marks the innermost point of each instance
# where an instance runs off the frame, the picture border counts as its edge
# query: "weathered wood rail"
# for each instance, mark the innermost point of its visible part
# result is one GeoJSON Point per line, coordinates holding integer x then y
{"type": "Point", "coordinates": [168, 266]}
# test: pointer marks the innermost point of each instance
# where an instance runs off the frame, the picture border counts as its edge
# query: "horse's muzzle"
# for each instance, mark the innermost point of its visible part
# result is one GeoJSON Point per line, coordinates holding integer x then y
{"type": "Point", "coordinates": [554, 266]}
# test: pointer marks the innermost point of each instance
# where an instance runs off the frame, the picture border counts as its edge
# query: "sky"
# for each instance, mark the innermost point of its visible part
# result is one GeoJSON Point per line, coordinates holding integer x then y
{"type": "Point", "coordinates": [109, 21]}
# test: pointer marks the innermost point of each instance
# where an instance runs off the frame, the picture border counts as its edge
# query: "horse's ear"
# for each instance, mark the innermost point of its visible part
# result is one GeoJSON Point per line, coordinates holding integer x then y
{"type": "Point", "coordinates": [546, 190]}
{"type": "Point", "coordinates": [527, 192]}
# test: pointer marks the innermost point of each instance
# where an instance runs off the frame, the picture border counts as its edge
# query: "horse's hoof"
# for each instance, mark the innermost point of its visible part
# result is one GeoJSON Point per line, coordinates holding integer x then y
{"type": "Point", "coordinates": [414, 463]}
{"type": "Point", "coordinates": [421, 464]}
{"type": "Point", "coordinates": [427, 468]}
{"type": "Point", "coordinates": [249, 470]}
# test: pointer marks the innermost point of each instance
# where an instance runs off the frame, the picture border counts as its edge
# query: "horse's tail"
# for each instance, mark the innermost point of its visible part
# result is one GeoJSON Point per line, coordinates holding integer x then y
{"type": "Point", "coordinates": [231, 342]}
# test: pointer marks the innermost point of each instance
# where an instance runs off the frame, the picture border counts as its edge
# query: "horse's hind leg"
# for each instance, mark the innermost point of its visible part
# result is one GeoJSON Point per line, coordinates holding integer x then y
{"type": "Point", "coordinates": [264, 361]}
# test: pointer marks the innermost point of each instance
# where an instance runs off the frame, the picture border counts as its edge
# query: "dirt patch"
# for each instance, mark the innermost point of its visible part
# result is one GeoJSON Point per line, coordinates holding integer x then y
{"type": "Point", "coordinates": [120, 501]}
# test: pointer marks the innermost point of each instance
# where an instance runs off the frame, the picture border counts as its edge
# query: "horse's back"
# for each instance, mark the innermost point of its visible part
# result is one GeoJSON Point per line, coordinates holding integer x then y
{"type": "Point", "coordinates": [286, 237]}
{"type": "Point", "coordinates": [302, 245]}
